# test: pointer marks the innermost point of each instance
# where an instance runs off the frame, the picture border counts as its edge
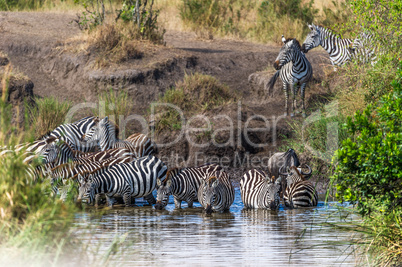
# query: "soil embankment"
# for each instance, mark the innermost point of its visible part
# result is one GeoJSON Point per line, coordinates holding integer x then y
{"type": "Point", "coordinates": [35, 44]}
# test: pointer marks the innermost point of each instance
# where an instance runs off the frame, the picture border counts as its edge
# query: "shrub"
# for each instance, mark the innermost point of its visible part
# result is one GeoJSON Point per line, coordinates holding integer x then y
{"type": "Point", "coordinates": [368, 172]}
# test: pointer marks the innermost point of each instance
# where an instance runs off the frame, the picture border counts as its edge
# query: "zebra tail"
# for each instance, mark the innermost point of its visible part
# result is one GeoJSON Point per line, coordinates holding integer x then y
{"type": "Point", "coordinates": [272, 81]}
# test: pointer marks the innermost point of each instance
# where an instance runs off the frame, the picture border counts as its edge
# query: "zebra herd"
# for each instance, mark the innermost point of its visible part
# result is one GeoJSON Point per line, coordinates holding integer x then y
{"type": "Point", "coordinates": [128, 169]}
{"type": "Point", "coordinates": [295, 70]}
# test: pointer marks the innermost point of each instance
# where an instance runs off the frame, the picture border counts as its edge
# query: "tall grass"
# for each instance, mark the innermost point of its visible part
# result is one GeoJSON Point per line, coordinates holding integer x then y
{"type": "Point", "coordinates": [47, 114]}
{"type": "Point", "coordinates": [113, 103]}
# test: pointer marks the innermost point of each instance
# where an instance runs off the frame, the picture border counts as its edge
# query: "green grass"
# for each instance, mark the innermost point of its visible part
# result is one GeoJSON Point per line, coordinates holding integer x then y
{"type": "Point", "coordinates": [197, 93]}
{"type": "Point", "coordinates": [113, 103]}
{"type": "Point", "coordinates": [47, 114]}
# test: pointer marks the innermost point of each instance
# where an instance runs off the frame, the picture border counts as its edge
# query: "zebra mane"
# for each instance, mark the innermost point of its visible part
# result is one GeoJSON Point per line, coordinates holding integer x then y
{"type": "Point", "coordinates": [329, 31]}
{"type": "Point", "coordinates": [295, 41]}
{"type": "Point", "coordinates": [72, 163]}
{"type": "Point", "coordinates": [46, 135]}
{"type": "Point", "coordinates": [50, 139]}
{"type": "Point", "coordinates": [87, 173]}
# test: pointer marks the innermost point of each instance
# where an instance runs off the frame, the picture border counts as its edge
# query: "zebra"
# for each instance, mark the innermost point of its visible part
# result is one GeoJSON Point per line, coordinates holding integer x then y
{"type": "Point", "coordinates": [295, 70]}
{"type": "Point", "coordinates": [73, 133]}
{"type": "Point", "coordinates": [183, 184]}
{"type": "Point", "coordinates": [299, 192]}
{"type": "Point", "coordinates": [44, 150]}
{"type": "Point", "coordinates": [337, 48]}
{"type": "Point", "coordinates": [60, 175]}
{"type": "Point", "coordinates": [105, 133]}
{"type": "Point", "coordinates": [142, 144]}
{"type": "Point", "coordinates": [259, 191]}
{"type": "Point", "coordinates": [134, 179]}
{"type": "Point", "coordinates": [363, 50]}
{"type": "Point", "coordinates": [216, 193]}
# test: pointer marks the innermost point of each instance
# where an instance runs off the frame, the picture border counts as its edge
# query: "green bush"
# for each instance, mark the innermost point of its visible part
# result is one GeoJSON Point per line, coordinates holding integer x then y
{"type": "Point", "coordinates": [369, 170]}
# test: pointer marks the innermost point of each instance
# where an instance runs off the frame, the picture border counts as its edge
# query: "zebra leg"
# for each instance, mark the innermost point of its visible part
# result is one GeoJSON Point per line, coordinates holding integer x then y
{"type": "Point", "coordinates": [177, 203]}
{"type": "Point", "coordinates": [109, 201]}
{"type": "Point", "coordinates": [127, 199]}
{"type": "Point", "coordinates": [293, 88]}
{"type": "Point", "coordinates": [190, 203]}
{"type": "Point", "coordinates": [303, 88]}
{"type": "Point", "coordinates": [151, 199]}
{"type": "Point", "coordinates": [286, 91]}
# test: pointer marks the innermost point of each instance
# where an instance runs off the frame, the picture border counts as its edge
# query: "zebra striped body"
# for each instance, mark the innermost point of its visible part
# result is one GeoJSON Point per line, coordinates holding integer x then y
{"type": "Point", "coordinates": [72, 134]}
{"type": "Point", "coordinates": [183, 184]}
{"type": "Point", "coordinates": [142, 144]}
{"type": "Point", "coordinates": [259, 191]}
{"type": "Point", "coordinates": [216, 193]}
{"type": "Point", "coordinates": [46, 150]}
{"type": "Point", "coordinates": [363, 49]}
{"type": "Point", "coordinates": [337, 48]}
{"type": "Point", "coordinates": [295, 71]}
{"type": "Point", "coordinates": [299, 193]}
{"type": "Point", "coordinates": [135, 179]}
{"type": "Point", "coordinates": [106, 135]}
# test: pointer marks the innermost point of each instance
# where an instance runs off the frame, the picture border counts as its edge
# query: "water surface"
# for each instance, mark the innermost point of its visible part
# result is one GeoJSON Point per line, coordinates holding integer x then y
{"type": "Point", "coordinates": [240, 237]}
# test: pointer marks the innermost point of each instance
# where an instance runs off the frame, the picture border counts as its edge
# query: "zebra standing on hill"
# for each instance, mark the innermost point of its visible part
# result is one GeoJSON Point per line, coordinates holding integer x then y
{"type": "Point", "coordinates": [299, 193]}
{"type": "Point", "coordinates": [337, 48]}
{"type": "Point", "coordinates": [363, 49]}
{"type": "Point", "coordinates": [216, 193]}
{"type": "Point", "coordinates": [183, 184]}
{"type": "Point", "coordinates": [135, 179]}
{"type": "Point", "coordinates": [295, 70]}
{"type": "Point", "coordinates": [259, 191]}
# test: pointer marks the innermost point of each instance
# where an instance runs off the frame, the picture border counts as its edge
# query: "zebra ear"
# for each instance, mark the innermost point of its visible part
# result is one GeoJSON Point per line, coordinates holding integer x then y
{"type": "Point", "coordinates": [311, 26]}
{"type": "Point", "coordinates": [158, 182]}
{"type": "Point", "coordinates": [215, 183]}
{"type": "Point", "coordinates": [169, 183]}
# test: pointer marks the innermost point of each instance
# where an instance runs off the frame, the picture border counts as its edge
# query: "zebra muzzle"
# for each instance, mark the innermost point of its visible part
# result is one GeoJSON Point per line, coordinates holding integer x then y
{"type": "Point", "coordinates": [158, 205]}
{"type": "Point", "coordinates": [276, 65]}
{"type": "Point", "coordinates": [208, 209]}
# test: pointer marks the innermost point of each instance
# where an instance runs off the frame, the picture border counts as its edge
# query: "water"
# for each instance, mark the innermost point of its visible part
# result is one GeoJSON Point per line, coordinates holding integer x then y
{"type": "Point", "coordinates": [239, 237]}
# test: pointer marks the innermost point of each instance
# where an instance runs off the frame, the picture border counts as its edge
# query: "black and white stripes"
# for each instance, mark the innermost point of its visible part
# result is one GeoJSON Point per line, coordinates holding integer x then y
{"type": "Point", "coordinates": [135, 179]}
{"type": "Point", "coordinates": [295, 71]}
{"type": "Point", "coordinates": [260, 191]}
{"type": "Point", "coordinates": [183, 184]}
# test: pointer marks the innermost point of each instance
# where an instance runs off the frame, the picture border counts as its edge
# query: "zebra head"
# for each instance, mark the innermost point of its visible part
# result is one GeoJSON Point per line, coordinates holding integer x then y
{"type": "Point", "coordinates": [287, 53]}
{"type": "Point", "coordinates": [102, 133]}
{"type": "Point", "coordinates": [86, 192]}
{"type": "Point", "coordinates": [163, 193]}
{"type": "Point", "coordinates": [272, 197]}
{"type": "Point", "coordinates": [208, 188]}
{"type": "Point", "coordinates": [296, 174]}
{"type": "Point", "coordinates": [313, 39]}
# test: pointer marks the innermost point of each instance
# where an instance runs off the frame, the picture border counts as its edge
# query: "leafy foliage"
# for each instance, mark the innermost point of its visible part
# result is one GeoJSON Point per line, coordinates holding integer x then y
{"type": "Point", "coordinates": [369, 171]}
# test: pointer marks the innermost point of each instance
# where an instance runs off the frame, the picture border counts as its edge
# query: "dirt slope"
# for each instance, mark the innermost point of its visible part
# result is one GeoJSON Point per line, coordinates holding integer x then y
{"type": "Point", "coordinates": [34, 42]}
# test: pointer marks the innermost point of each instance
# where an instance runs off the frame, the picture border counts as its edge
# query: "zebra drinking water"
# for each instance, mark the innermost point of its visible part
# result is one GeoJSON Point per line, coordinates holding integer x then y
{"type": "Point", "coordinates": [183, 184]}
{"type": "Point", "coordinates": [299, 193]}
{"type": "Point", "coordinates": [216, 193]}
{"type": "Point", "coordinates": [259, 191]}
{"type": "Point", "coordinates": [135, 179]}
{"type": "Point", "coordinates": [295, 71]}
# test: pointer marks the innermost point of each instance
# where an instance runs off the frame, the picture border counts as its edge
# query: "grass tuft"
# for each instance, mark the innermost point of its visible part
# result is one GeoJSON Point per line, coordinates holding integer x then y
{"type": "Point", "coordinates": [197, 93]}
{"type": "Point", "coordinates": [48, 114]}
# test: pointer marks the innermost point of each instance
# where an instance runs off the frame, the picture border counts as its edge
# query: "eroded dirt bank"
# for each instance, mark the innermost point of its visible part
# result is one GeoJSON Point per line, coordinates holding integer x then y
{"type": "Point", "coordinates": [35, 44]}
